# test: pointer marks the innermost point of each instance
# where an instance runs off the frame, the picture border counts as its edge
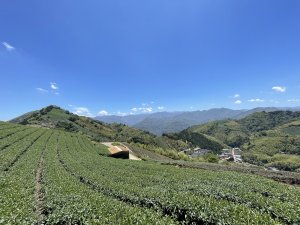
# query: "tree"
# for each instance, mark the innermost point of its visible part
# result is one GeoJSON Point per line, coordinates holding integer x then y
{"type": "Point", "coordinates": [211, 158]}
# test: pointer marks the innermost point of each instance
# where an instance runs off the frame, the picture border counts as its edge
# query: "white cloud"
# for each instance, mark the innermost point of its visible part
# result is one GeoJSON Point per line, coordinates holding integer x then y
{"type": "Point", "coordinates": [238, 102]}
{"type": "Point", "coordinates": [103, 113]}
{"type": "Point", "coordinates": [147, 109]}
{"type": "Point", "coordinates": [234, 96]}
{"type": "Point", "coordinates": [53, 86]}
{"type": "Point", "coordinates": [83, 111]}
{"type": "Point", "coordinates": [279, 89]}
{"type": "Point", "coordinates": [122, 114]}
{"type": "Point", "coordinates": [42, 90]}
{"type": "Point", "coordinates": [274, 101]}
{"type": "Point", "coordinates": [256, 100]}
{"type": "Point", "coordinates": [8, 46]}
{"type": "Point", "coordinates": [294, 100]}
{"type": "Point", "coordinates": [161, 107]}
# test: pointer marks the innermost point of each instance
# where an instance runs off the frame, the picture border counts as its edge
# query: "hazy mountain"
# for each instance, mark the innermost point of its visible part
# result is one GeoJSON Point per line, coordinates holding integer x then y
{"type": "Point", "coordinates": [166, 122]}
{"type": "Point", "coordinates": [131, 120]}
{"type": "Point", "coordinates": [163, 122]}
{"type": "Point", "coordinates": [183, 120]}
{"type": "Point", "coordinates": [128, 120]}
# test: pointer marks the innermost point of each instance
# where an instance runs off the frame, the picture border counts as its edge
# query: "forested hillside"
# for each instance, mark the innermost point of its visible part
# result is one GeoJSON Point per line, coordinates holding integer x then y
{"type": "Point", "coordinates": [266, 138]}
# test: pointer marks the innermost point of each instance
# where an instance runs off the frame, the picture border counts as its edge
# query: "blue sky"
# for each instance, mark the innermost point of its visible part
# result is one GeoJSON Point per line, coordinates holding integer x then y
{"type": "Point", "coordinates": [121, 57]}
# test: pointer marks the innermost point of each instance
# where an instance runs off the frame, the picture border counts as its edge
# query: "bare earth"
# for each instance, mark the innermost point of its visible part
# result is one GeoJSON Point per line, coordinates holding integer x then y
{"type": "Point", "coordinates": [114, 149]}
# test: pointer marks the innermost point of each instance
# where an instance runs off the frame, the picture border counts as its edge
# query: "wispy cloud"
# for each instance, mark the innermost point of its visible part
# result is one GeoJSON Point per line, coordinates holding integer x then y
{"type": "Point", "coordinates": [53, 86]}
{"type": "Point", "coordinates": [280, 89]}
{"type": "Point", "coordinates": [256, 100]}
{"type": "Point", "coordinates": [42, 90]}
{"type": "Point", "coordinates": [234, 96]}
{"type": "Point", "coordinates": [82, 111]}
{"type": "Point", "coordinates": [294, 100]}
{"type": "Point", "coordinates": [103, 113]}
{"type": "Point", "coordinates": [53, 89]}
{"type": "Point", "coordinates": [8, 47]}
{"type": "Point", "coordinates": [147, 109]}
{"type": "Point", "coordinates": [238, 102]}
{"type": "Point", "coordinates": [122, 113]}
{"type": "Point", "coordinates": [160, 108]}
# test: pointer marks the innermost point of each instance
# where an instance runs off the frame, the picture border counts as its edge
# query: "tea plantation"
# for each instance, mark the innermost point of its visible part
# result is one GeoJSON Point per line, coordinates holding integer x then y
{"type": "Point", "coordinates": [49, 176]}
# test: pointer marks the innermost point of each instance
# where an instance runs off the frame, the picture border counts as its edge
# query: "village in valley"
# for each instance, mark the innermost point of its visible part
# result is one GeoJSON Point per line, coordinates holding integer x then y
{"type": "Point", "coordinates": [227, 154]}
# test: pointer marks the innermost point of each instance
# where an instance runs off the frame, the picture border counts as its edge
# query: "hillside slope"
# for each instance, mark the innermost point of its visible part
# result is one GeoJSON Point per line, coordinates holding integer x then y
{"type": "Point", "coordinates": [266, 138]}
{"type": "Point", "coordinates": [55, 117]}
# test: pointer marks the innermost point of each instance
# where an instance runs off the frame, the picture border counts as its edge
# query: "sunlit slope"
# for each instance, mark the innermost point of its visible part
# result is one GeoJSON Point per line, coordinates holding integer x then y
{"type": "Point", "coordinates": [55, 177]}
{"type": "Point", "coordinates": [270, 139]}
{"type": "Point", "coordinates": [56, 117]}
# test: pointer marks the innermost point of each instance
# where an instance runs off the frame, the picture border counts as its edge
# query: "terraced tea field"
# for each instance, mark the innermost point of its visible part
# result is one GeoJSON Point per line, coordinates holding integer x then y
{"type": "Point", "coordinates": [54, 177]}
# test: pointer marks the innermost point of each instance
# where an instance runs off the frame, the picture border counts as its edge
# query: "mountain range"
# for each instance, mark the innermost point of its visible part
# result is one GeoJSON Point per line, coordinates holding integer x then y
{"type": "Point", "coordinates": [167, 122]}
{"type": "Point", "coordinates": [267, 137]}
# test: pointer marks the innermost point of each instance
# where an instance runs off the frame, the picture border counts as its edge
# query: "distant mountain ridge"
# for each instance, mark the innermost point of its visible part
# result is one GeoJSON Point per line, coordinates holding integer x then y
{"type": "Point", "coordinates": [167, 122]}
{"type": "Point", "coordinates": [135, 119]}
{"type": "Point", "coordinates": [269, 138]}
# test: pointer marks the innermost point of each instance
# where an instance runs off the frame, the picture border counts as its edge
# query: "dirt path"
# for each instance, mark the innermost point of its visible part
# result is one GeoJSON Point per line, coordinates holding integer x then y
{"type": "Point", "coordinates": [119, 148]}
{"type": "Point", "coordinates": [38, 191]}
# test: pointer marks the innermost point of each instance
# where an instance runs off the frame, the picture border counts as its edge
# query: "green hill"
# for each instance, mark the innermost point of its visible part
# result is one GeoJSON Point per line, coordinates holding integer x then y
{"type": "Point", "coordinates": [229, 132]}
{"type": "Point", "coordinates": [198, 140]}
{"type": "Point", "coordinates": [267, 138]}
{"type": "Point", "coordinates": [262, 121]}
{"type": "Point", "coordinates": [55, 117]}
